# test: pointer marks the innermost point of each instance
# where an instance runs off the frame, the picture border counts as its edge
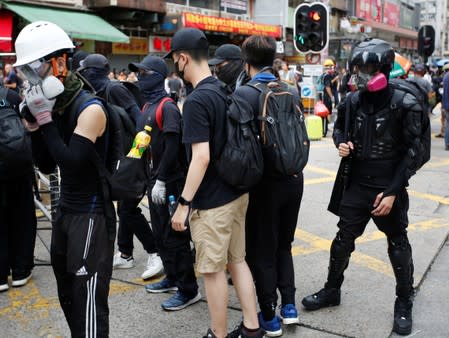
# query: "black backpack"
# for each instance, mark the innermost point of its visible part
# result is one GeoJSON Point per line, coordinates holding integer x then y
{"type": "Point", "coordinates": [123, 177]}
{"type": "Point", "coordinates": [240, 160]}
{"type": "Point", "coordinates": [283, 133]}
{"type": "Point", "coordinates": [421, 96]}
{"type": "Point", "coordinates": [15, 146]}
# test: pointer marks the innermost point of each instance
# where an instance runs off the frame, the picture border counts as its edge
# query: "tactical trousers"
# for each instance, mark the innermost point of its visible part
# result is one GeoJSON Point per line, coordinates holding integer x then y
{"type": "Point", "coordinates": [271, 222]}
{"type": "Point", "coordinates": [355, 213]}
{"type": "Point", "coordinates": [17, 227]}
{"type": "Point", "coordinates": [173, 246]}
{"type": "Point", "coordinates": [133, 222]}
{"type": "Point", "coordinates": [81, 256]}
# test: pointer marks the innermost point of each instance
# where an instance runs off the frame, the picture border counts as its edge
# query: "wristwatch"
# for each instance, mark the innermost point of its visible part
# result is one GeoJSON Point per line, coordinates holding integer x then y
{"type": "Point", "coordinates": [183, 201]}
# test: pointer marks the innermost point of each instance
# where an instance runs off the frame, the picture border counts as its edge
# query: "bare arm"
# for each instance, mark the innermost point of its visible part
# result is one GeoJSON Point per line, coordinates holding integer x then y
{"type": "Point", "coordinates": [195, 175]}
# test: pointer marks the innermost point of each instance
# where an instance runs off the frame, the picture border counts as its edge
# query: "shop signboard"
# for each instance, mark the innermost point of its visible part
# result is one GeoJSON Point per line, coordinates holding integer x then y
{"type": "Point", "coordinates": [136, 46]}
{"type": "Point", "coordinates": [159, 44]}
{"type": "Point", "coordinates": [225, 25]}
{"type": "Point", "coordinates": [391, 13]}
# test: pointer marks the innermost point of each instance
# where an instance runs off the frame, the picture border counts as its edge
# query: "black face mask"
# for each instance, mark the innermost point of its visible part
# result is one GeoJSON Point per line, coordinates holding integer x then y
{"type": "Point", "coordinates": [178, 71]}
{"type": "Point", "coordinates": [230, 72]}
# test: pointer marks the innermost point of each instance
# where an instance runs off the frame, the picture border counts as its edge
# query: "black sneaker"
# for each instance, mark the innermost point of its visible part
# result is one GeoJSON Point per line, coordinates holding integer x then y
{"type": "Point", "coordinates": [4, 284]}
{"type": "Point", "coordinates": [20, 278]}
{"type": "Point", "coordinates": [403, 316]}
{"type": "Point", "coordinates": [240, 332]}
{"type": "Point", "coordinates": [323, 298]}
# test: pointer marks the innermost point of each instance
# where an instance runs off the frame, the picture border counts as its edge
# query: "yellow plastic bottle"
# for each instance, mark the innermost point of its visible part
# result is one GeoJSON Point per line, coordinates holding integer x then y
{"type": "Point", "coordinates": [140, 143]}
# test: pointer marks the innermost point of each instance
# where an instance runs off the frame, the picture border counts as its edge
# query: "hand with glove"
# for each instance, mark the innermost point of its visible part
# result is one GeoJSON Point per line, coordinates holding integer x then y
{"type": "Point", "coordinates": [39, 106]}
{"type": "Point", "coordinates": [158, 193]}
{"type": "Point", "coordinates": [28, 119]}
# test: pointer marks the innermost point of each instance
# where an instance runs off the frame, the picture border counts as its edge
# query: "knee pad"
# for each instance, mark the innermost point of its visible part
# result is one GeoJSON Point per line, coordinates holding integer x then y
{"type": "Point", "coordinates": [399, 246]}
{"type": "Point", "coordinates": [342, 245]}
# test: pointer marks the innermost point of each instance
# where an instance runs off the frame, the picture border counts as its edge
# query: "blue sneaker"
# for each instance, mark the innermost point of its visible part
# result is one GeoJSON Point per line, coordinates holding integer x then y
{"type": "Point", "coordinates": [161, 286]}
{"type": "Point", "coordinates": [179, 301]}
{"type": "Point", "coordinates": [289, 314]}
{"type": "Point", "coordinates": [272, 327]}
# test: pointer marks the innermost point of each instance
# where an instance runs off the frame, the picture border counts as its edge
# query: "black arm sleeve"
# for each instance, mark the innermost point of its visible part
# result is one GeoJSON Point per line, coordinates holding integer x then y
{"type": "Point", "coordinates": [76, 155]}
{"type": "Point", "coordinates": [170, 155]}
{"type": "Point", "coordinates": [339, 126]}
{"type": "Point", "coordinates": [41, 156]}
{"type": "Point", "coordinates": [412, 131]}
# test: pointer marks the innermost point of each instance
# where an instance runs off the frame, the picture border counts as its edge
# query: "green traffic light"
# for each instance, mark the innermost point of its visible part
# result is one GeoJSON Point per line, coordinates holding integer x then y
{"type": "Point", "coordinates": [300, 39]}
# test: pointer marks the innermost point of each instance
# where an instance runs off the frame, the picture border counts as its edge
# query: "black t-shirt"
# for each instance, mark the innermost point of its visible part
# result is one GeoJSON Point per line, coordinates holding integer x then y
{"type": "Point", "coordinates": [171, 123]}
{"type": "Point", "coordinates": [204, 115]}
{"type": "Point", "coordinates": [12, 78]}
{"type": "Point", "coordinates": [327, 81]}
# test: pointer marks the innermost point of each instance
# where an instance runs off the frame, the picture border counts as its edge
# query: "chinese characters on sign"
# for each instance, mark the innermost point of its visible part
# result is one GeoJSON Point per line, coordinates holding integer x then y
{"type": "Point", "coordinates": [159, 44]}
{"type": "Point", "coordinates": [136, 46]}
{"type": "Point", "coordinates": [216, 24]}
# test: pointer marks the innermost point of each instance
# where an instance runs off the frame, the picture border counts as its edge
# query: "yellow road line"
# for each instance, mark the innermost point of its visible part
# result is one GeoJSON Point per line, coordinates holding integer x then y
{"type": "Point", "coordinates": [312, 181]}
{"type": "Point", "coordinates": [435, 198]}
{"type": "Point", "coordinates": [319, 170]}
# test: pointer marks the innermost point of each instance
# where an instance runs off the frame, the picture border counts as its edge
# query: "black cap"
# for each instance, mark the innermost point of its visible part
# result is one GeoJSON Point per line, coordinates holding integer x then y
{"type": "Point", "coordinates": [225, 53]}
{"type": "Point", "coordinates": [187, 39]}
{"type": "Point", "coordinates": [94, 61]}
{"type": "Point", "coordinates": [77, 57]}
{"type": "Point", "coordinates": [150, 63]}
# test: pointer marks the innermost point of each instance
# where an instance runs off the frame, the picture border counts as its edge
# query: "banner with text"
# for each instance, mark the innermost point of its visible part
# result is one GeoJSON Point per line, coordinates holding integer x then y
{"type": "Point", "coordinates": [216, 24]}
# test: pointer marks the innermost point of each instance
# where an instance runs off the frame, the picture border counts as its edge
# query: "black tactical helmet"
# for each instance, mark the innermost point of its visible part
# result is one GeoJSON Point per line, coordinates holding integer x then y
{"type": "Point", "coordinates": [373, 52]}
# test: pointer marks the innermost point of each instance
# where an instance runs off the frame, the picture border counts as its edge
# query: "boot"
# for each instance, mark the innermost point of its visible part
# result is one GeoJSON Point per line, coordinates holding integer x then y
{"type": "Point", "coordinates": [323, 298]}
{"type": "Point", "coordinates": [403, 316]}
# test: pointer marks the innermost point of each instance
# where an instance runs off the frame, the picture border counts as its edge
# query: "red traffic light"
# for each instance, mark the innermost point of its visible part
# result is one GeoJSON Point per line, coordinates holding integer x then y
{"type": "Point", "coordinates": [314, 15]}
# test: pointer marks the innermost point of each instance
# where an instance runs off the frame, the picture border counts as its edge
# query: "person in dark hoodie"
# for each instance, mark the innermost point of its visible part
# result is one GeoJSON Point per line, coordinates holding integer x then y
{"type": "Point", "coordinates": [95, 69]}
{"type": "Point", "coordinates": [168, 166]}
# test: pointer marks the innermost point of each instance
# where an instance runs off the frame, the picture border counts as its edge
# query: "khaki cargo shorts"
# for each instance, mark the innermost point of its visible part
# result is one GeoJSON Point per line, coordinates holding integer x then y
{"type": "Point", "coordinates": [219, 235]}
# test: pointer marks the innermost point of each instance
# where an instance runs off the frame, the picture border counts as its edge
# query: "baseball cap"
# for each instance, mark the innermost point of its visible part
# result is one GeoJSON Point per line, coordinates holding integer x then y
{"type": "Point", "coordinates": [187, 39]}
{"type": "Point", "coordinates": [94, 61]}
{"type": "Point", "coordinates": [150, 62]}
{"type": "Point", "coordinates": [420, 68]}
{"type": "Point", "coordinates": [224, 53]}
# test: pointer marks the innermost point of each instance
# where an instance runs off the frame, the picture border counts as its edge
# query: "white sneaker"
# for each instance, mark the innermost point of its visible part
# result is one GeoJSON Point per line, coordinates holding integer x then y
{"type": "Point", "coordinates": [122, 263]}
{"type": "Point", "coordinates": [4, 287]}
{"type": "Point", "coordinates": [154, 266]}
{"type": "Point", "coordinates": [20, 280]}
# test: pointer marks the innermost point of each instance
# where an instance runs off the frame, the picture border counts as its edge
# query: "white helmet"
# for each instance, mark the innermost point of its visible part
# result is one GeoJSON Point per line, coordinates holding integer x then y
{"type": "Point", "coordinates": [39, 39]}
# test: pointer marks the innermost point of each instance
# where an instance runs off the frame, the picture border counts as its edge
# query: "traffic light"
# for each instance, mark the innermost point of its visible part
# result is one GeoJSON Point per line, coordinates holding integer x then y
{"type": "Point", "coordinates": [426, 41]}
{"type": "Point", "coordinates": [311, 28]}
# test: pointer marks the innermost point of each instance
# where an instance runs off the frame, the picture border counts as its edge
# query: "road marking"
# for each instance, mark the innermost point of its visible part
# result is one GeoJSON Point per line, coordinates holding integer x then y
{"type": "Point", "coordinates": [435, 198]}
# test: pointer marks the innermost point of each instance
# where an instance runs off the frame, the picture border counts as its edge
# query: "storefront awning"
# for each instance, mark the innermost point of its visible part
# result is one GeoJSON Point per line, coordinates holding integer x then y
{"type": "Point", "coordinates": [79, 25]}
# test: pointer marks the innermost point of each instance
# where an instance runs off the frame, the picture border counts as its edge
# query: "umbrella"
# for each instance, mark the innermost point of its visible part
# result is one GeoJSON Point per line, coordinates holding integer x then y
{"type": "Point", "coordinates": [401, 66]}
{"type": "Point", "coordinates": [442, 62]}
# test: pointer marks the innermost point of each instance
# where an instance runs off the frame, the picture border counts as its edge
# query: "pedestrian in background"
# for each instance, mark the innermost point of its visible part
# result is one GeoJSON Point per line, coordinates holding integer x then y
{"type": "Point", "coordinates": [217, 210]}
{"type": "Point", "coordinates": [445, 106]}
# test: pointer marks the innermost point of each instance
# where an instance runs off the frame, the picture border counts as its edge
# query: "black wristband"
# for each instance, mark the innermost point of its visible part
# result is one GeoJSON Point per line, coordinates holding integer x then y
{"type": "Point", "coordinates": [183, 201]}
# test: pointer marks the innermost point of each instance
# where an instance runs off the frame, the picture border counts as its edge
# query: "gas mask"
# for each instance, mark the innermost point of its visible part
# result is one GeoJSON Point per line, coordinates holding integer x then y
{"type": "Point", "coordinates": [367, 82]}
{"type": "Point", "coordinates": [51, 86]}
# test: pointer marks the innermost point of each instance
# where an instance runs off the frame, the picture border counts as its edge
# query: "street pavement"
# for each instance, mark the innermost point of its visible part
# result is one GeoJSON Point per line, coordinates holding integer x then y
{"type": "Point", "coordinates": [368, 292]}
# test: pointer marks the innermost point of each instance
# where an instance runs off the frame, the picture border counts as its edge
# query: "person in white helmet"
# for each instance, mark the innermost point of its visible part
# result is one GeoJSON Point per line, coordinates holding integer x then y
{"type": "Point", "coordinates": [68, 129]}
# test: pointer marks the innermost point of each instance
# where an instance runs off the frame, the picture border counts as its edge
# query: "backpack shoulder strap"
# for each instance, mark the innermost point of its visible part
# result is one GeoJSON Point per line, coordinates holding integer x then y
{"type": "Point", "coordinates": [159, 112]}
{"type": "Point", "coordinates": [3, 94]}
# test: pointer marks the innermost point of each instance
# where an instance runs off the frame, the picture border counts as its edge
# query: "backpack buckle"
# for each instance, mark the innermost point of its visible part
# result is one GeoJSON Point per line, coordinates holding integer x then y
{"type": "Point", "coordinates": [270, 120]}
